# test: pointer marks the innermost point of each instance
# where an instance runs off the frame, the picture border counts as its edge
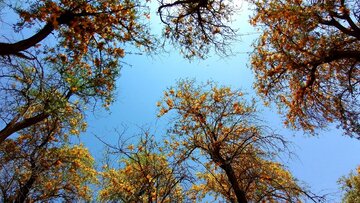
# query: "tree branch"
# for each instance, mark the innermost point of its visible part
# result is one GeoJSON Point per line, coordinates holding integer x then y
{"type": "Point", "coordinates": [13, 127]}
{"type": "Point", "coordinates": [16, 48]}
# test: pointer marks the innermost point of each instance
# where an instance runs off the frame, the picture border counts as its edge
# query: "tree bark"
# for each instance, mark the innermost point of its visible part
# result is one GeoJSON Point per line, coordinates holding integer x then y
{"type": "Point", "coordinates": [240, 194]}
{"type": "Point", "coordinates": [230, 173]}
{"type": "Point", "coordinates": [7, 49]}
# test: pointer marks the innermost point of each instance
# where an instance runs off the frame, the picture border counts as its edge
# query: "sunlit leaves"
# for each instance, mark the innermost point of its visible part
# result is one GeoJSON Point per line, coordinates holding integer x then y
{"type": "Point", "coordinates": [351, 186]}
{"type": "Point", "coordinates": [87, 25]}
{"type": "Point", "coordinates": [206, 109]}
{"type": "Point", "coordinates": [307, 61]}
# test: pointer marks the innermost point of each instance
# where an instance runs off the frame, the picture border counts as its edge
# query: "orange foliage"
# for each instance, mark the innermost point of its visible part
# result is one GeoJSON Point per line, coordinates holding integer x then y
{"type": "Point", "coordinates": [39, 166]}
{"type": "Point", "coordinates": [307, 61]}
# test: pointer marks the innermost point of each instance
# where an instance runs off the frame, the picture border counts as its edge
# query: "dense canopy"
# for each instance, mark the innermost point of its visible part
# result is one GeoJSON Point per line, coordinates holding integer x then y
{"type": "Point", "coordinates": [307, 60]}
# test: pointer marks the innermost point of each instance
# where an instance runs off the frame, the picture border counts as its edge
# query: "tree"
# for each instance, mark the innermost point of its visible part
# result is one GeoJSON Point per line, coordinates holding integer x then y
{"type": "Point", "coordinates": [196, 25]}
{"type": "Point", "coordinates": [225, 128]}
{"type": "Point", "coordinates": [351, 186]}
{"type": "Point", "coordinates": [38, 166]}
{"type": "Point", "coordinates": [307, 61]}
{"type": "Point", "coordinates": [40, 80]}
{"type": "Point", "coordinates": [31, 94]}
{"type": "Point", "coordinates": [144, 175]}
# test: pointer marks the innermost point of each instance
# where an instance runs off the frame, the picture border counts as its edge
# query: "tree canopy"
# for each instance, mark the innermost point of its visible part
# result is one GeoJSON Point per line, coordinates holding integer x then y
{"type": "Point", "coordinates": [83, 28]}
{"type": "Point", "coordinates": [38, 166]}
{"type": "Point", "coordinates": [240, 151]}
{"type": "Point", "coordinates": [307, 61]}
{"type": "Point", "coordinates": [144, 174]}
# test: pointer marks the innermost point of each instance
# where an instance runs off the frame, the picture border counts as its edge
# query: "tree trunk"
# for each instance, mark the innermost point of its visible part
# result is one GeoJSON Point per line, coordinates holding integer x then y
{"type": "Point", "coordinates": [217, 158]}
{"type": "Point", "coordinates": [240, 194]}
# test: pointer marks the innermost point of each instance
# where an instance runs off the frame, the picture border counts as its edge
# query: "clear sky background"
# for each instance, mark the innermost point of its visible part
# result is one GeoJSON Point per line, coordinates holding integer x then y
{"type": "Point", "coordinates": [320, 160]}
